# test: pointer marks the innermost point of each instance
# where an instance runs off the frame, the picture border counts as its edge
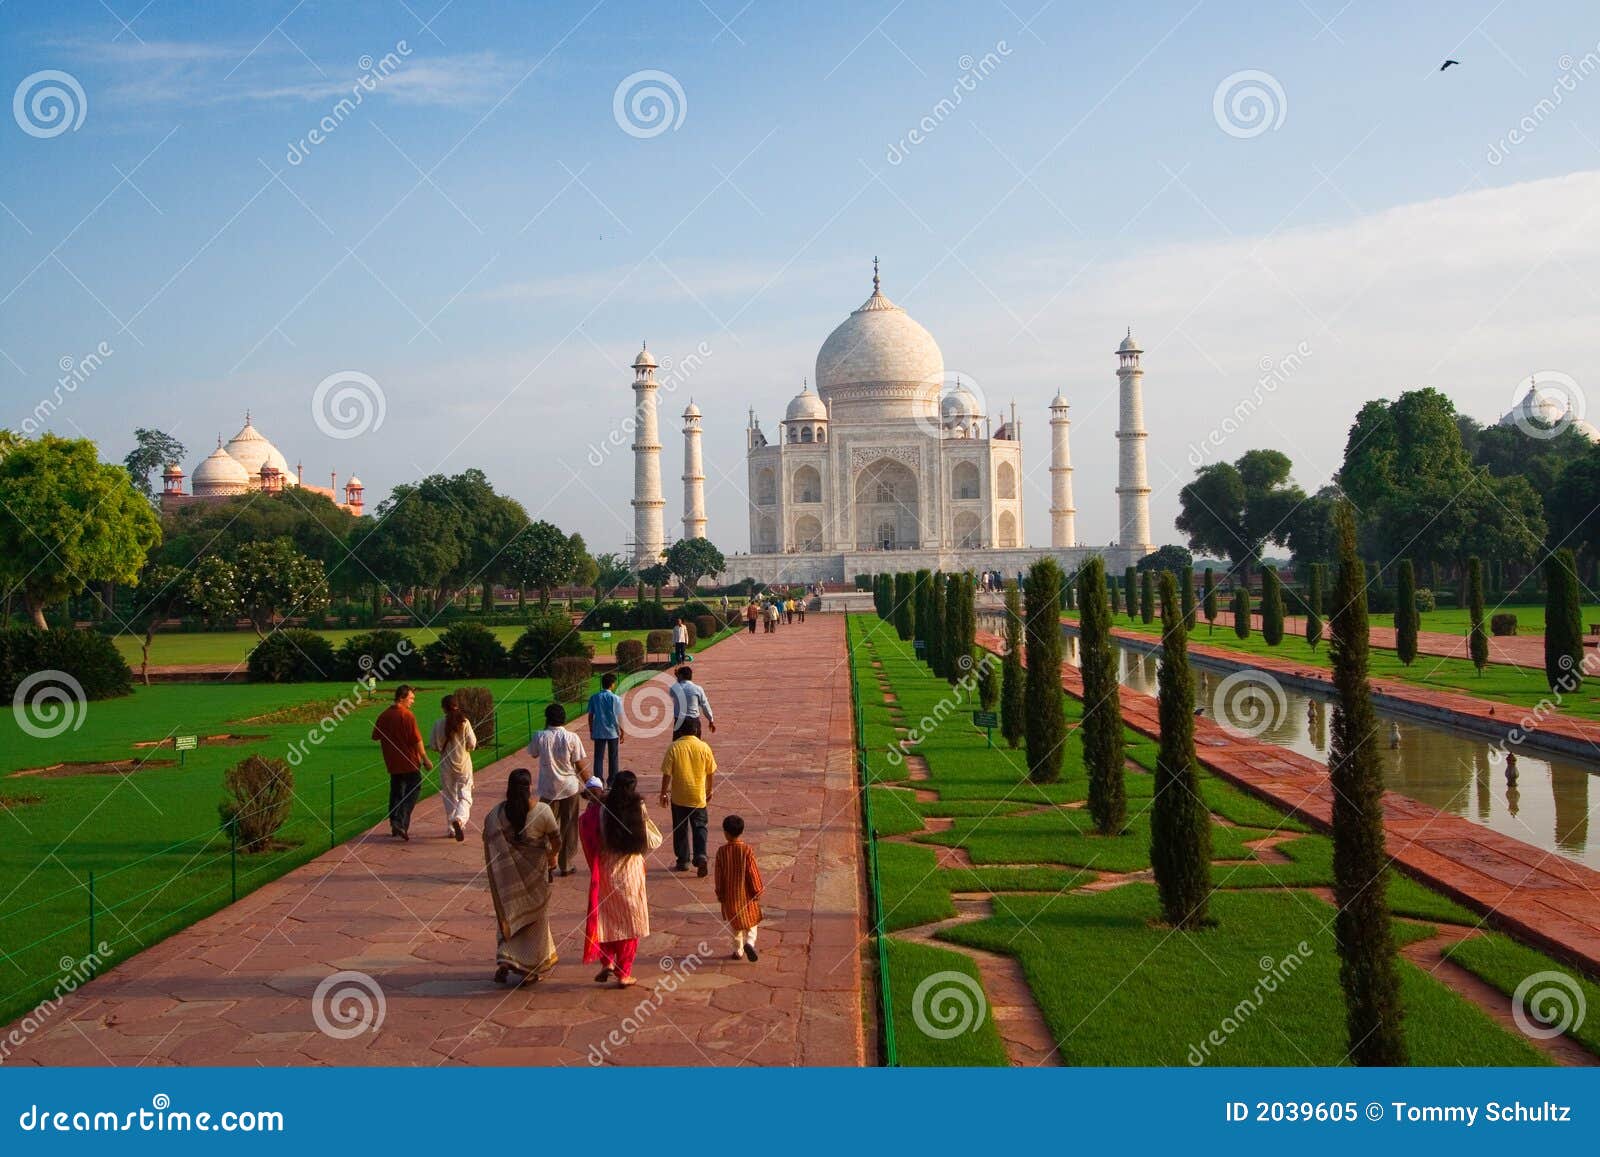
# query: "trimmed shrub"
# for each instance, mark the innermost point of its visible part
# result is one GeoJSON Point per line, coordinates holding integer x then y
{"type": "Point", "coordinates": [88, 657]}
{"type": "Point", "coordinates": [1503, 623]}
{"type": "Point", "coordinates": [465, 651]}
{"type": "Point", "coordinates": [547, 638]}
{"type": "Point", "coordinates": [658, 643]}
{"type": "Point", "coordinates": [379, 654]}
{"type": "Point", "coordinates": [478, 703]}
{"type": "Point", "coordinates": [292, 656]}
{"type": "Point", "coordinates": [630, 656]}
{"type": "Point", "coordinates": [705, 626]}
{"type": "Point", "coordinates": [1426, 600]}
{"type": "Point", "coordinates": [260, 796]}
{"type": "Point", "coordinates": [569, 678]}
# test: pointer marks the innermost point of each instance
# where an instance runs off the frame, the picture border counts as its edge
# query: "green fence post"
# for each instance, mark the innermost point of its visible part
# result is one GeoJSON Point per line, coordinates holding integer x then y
{"type": "Point", "coordinates": [233, 860]}
{"type": "Point", "coordinates": [330, 813]}
{"type": "Point", "coordinates": [91, 911]}
{"type": "Point", "coordinates": [528, 707]}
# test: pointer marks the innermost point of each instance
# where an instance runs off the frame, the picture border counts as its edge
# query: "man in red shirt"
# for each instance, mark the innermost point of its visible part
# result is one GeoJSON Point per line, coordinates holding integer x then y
{"type": "Point", "coordinates": [400, 740]}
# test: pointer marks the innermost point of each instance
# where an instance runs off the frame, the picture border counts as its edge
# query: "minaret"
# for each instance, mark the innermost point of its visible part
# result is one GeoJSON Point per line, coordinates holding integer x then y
{"type": "Point", "coordinates": [1063, 515]}
{"type": "Point", "coordinates": [694, 475]}
{"type": "Point", "coordinates": [1133, 481]}
{"type": "Point", "coordinates": [649, 532]}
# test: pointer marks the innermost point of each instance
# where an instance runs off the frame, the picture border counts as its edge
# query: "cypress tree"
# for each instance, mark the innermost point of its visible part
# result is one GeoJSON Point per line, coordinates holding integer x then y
{"type": "Point", "coordinates": [1478, 643]}
{"type": "Point", "coordinates": [954, 652]}
{"type": "Point", "coordinates": [1147, 597]}
{"type": "Point", "coordinates": [1497, 576]}
{"type": "Point", "coordinates": [1406, 619]}
{"type": "Point", "coordinates": [1012, 697]}
{"type": "Point", "coordinates": [1368, 972]}
{"type": "Point", "coordinates": [969, 617]}
{"type": "Point", "coordinates": [1130, 586]}
{"type": "Point", "coordinates": [938, 632]}
{"type": "Point", "coordinates": [905, 624]}
{"type": "Point", "coordinates": [1101, 729]}
{"type": "Point", "coordinates": [1563, 623]}
{"type": "Point", "coordinates": [1186, 598]}
{"type": "Point", "coordinates": [1045, 719]}
{"type": "Point", "coordinates": [1314, 606]}
{"type": "Point", "coordinates": [1180, 826]}
{"type": "Point", "coordinates": [922, 586]}
{"type": "Point", "coordinates": [1111, 593]}
{"type": "Point", "coordinates": [1241, 611]}
{"type": "Point", "coordinates": [1210, 600]}
{"type": "Point", "coordinates": [1271, 606]}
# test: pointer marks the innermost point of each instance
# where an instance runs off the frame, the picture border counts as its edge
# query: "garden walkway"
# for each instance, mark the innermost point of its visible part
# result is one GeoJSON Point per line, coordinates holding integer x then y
{"type": "Point", "coordinates": [416, 920]}
{"type": "Point", "coordinates": [1541, 898]}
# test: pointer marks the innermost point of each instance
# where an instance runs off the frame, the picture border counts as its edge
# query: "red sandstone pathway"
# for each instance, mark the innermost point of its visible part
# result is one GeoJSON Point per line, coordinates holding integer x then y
{"type": "Point", "coordinates": [237, 988]}
{"type": "Point", "coordinates": [1542, 898]}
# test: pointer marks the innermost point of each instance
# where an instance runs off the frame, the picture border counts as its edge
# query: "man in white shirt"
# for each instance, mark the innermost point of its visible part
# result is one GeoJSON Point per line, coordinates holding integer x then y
{"type": "Point", "coordinates": [563, 768]}
{"type": "Point", "coordinates": [680, 640]}
{"type": "Point", "coordinates": [689, 701]}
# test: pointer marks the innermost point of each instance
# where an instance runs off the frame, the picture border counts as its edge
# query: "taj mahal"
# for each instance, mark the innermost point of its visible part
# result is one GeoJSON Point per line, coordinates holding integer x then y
{"type": "Point", "coordinates": [887, 466]}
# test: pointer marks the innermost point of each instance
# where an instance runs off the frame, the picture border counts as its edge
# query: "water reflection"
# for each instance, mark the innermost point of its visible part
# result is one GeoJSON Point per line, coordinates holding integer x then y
{"type": "Point", "coordinates": [1540, 801]}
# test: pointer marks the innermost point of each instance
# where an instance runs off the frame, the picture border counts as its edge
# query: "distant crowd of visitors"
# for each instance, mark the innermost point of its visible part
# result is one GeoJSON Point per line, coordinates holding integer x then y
{"type": "Point", "coordinates": [531, 837]}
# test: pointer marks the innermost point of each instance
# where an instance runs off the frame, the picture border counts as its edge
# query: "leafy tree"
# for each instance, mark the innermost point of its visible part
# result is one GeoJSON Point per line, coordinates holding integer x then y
{"type": "Point", "coordinates": [1406, 619]}
{"type": "Point", "coordinates": [1271, 606]}
{"type": "Point", "coordinates": [904, 612]}
{"type": "Point", "coordinates": [1102, 705]}
{"type": "Point", "coordinates": [1368, 971]}
{"type": "Point", "coordinates": [1180, 825]}
{"type": "Point", "coordinates": [585, 572]}
{"type": "Point", "coordinates": [1563, 622]}
{"type": "Point", "coordinates": [1045, 720]}
{"type": "Point", "coordinates": [1130, 591]}
{"type": "Point", "coordinates": [411, 544]}
{"type": "Point", "coordinates": [67, 520]}
{"type": "Point", "coordinates": [1147, 597]}
{"type": "Point", "coordinates": [318, 527]}
{"type": "Point", "coordinates": [153, 450]}
{"type": "Point", "coordinates": [1013, 702]}
{"type": "Point", "coordinates": [691, 559]}
{"type": "Point", "coordinates": [1170, 557]}
{"type": "Point", "coordinates": [165, 592]}
{"type": "Point", "coordinates": [1235, 509]}
{"type": "Point", "coordinates": [1241, 611]}
{"type": "Point", "coordinates": [1210, 600]}
{"type": "Point", "coordinates": [541, 557]}
{"type": "Point", "coordinates": [1478, 640]}
{"type": "Point", "coordinates": [655, 576]}
{"type": "Point", "coordinates": [1571, 508]}
{"type": "Point", "coordinates": [273, 580]}
{"type": "Point", "coordinates": [1314, 606]}
{"type": "Point", "coordinates": [611, 572]}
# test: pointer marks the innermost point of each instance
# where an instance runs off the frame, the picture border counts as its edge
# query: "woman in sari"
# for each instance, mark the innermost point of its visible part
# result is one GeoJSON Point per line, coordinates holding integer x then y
{"type": "Point", "coordinates": [455, 741]}
{"type": "Point", "coordinates": [520, 843]}
{"type": "Point", "coordinates": [619, 907]}
{"type": "Point", "coordinates": [589, 836]}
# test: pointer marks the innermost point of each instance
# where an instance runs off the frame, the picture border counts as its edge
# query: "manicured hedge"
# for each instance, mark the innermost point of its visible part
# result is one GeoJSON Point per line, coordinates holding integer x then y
{"type": "Point", "coordinates": [1503, 623]}
{"type": "Point", "coordinates": [385, 655]}
{"type": "Point", "coordinates": [569, 678]}
{"type": "Point", "coordinates": [293, 656]}
{"type": "Point", "coordinates": [630, 656]}
{"type": "Point", "coordinates": [88, 657]}
{"type": "Point", "coordinates": [465, 651]}
{"type": "Point", "coordinates": [547, 639]}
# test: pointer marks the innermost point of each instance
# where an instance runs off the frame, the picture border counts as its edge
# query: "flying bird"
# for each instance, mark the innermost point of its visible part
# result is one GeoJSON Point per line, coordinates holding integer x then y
{"type": "Point", "coordinates": [1447, 64]}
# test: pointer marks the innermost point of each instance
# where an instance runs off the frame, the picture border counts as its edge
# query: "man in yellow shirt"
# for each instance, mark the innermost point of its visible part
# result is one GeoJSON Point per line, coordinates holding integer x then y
{"type": "Point", "coordinates": [686, 774]}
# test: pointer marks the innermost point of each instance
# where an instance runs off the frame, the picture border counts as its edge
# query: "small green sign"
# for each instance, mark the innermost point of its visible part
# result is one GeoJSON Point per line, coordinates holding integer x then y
{"type": "Point", "coordinates": [918, 646]}
{"type": "Point", "coordinates": [186, 742]}
{"type": "Point", "coordinates": [985, 719]}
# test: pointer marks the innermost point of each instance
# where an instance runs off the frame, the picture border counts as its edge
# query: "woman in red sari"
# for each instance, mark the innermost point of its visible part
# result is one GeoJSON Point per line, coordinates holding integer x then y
{"type": "Point", "coordinates": [589, 836]}
{"type": "Point", "coordinates": [620, 908]}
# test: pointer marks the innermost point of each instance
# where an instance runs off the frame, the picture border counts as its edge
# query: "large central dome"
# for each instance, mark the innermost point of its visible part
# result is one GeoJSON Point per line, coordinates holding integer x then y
{"type": "Point", "coordinates": [880, 364]}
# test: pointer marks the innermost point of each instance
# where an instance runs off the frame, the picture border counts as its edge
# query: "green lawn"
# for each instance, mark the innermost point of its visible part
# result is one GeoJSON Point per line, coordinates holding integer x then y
{"type": "Point", "coordinates": [211, 648]}
{"type": "Point", "coordinates": [152, 837]}
{"type": "Point", "coordinates": [1523, 687]}
{"type": "Point", "coordinates": [1115, 985]}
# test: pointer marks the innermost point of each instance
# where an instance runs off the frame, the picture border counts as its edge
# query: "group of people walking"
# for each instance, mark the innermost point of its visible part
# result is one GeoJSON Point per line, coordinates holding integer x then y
{"type": "Point", "coordinates": [769, 612]}
{"type": "Point", "coordinates": [549, 812]}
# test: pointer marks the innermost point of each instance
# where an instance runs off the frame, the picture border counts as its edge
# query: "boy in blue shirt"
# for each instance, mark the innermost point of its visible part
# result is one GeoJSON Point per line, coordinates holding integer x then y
{"type": "Point", "coordinates": [605, 726]}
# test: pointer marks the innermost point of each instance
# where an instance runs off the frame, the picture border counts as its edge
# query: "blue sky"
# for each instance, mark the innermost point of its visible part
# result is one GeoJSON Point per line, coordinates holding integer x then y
{"type": "Point", "coordinates": [483, 239]}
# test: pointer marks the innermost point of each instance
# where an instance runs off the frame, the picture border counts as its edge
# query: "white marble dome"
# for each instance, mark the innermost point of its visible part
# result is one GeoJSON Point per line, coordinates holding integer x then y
{"type": "Point", "coordinates": [220, 473]}
{"type": "Point", "coordinates": [880, 364]}
{"type": "Point", "coordinates": [1545, 410]}
{"type": "Point", "coordinates": [250, 449]}
{"type": "Point", "coordinates": [959, 404]}
{"type": "Point", "coordinates": [806, 407]}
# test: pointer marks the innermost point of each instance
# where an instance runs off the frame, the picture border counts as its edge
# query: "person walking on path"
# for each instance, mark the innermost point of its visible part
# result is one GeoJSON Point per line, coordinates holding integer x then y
{"type": "Point", "coordinates": [605, 725]}
{"type": "Point", "coordinates": [772, 618]}
{"type": "Point", "coordinates": [562, 770]}
{"type": "Point", "coordinates": [689, 701]}
{"type": "Point", "coordinates": [404, 756]}
{"type": "Point", "coordinates": [589, 836]}
{"type": "Point", "coordinates": [520, 843]}
{"type": "Point", "coordinates": [680, 640]}
{"type": "Point", "coordinates": [739, 888]}
{"type": "Point", "coordinates": [621, 909]}
{"type": "Point", "coordinates": [455, 741]}
{"type": "Point", "coordinates": [751, 614]}
{"type": "Point", "coordinates": [800, 608]}
{"type": "Point", "coordinates": [687, 771]}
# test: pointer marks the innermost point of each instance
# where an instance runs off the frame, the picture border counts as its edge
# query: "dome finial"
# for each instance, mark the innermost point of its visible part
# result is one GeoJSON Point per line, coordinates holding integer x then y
{"type": "Point", "coordinates": [874, 274]}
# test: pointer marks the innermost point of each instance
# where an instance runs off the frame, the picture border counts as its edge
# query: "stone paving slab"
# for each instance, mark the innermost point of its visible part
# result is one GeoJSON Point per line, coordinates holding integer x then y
{"type": "Point", "coordinates": [236, 988]}
{"type": "Point", "coordinates": [1539, 897]}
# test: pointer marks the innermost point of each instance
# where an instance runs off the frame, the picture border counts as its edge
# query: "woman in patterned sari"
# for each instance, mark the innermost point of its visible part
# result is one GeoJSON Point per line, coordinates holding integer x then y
{"type": "Point", "coordinates": [589, 836]}
{"type": "Point", "coordinates": [520, 843]}
{"type": "Point", "coordinates": [621, 909]}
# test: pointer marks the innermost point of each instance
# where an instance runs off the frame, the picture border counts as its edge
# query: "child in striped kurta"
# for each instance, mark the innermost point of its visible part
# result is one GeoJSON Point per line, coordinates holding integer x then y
{"type": "Point", "coordinates": [739, 888]}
